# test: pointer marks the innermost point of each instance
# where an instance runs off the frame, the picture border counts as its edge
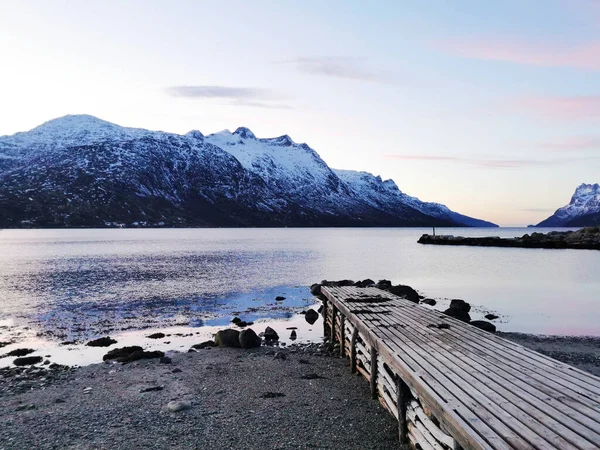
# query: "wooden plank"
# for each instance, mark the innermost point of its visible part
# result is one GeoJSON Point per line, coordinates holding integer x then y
{"type": "Point", "coordinates": [513, 427]}
{"type": "Point", "coordinates": [417, 413]}
{"type": "Point", "coordinates": [403, 398]}
{"type": "Point", "coordinates": [582, 403]}
{"type": "Point", "coordinates": [527, 395]}
{"type": "Point", "coordinates": [468, 429]}
{"type": "Point", "coordinates": [373, 372]}
{"type": "Point", "coordinates": [530, 423]}
{"type": "Point", "coordinates": [353, 350]}
{"type": "Point", "coordinates": [343, 334]}
{"type": "Point", "coordinates": [573, 374]}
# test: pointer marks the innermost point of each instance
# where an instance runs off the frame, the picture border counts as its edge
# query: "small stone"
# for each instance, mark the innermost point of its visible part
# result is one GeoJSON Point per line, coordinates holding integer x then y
{"type": "Point", "coordinates": [280, 355]}
{"type": "Point", "coordinates": [429, 301]}
{"type": "Point", "coordinates": [293, 335]}
{"type": "Point", "coordinates": [176, 370]}
{"type": "Point", "coordinates": [152, 389]}
{"type": "Point", "coordinates": [491, 316]}
{"type": "Point", "coordinates": [156, 336]}
{"type": "Point", "coordinates": [165, 360]}
{"type": "Point", "coordinates": [279, 298]}
{"type": "Point", "coordinates": [177, 406]}
{"type": "Point", "coordinates": [59, 400]}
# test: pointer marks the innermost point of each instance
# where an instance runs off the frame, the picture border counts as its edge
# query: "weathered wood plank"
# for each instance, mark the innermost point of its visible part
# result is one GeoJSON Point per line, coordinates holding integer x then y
{"type": "Point", "coordinates": [485, 391]}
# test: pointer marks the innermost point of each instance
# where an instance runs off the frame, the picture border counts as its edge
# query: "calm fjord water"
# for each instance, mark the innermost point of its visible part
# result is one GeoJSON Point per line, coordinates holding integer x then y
{"type": "Point", "coordinates": [68, 278]}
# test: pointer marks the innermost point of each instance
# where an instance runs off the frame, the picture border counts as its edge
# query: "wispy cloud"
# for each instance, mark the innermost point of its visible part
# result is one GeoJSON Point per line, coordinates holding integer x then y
{"type": "Point", "coordinates": [349, 68]}
{"type": "Point", "coordinates": [585, 55]}
{"type": "Point", "coordinates": [555, 107]}
{"type": "Point", "coordinates": [574, 143]}
{"type": "Point", "coordinates": [487, 163]}
{"type": "Point", "coordinates": [238, 96]}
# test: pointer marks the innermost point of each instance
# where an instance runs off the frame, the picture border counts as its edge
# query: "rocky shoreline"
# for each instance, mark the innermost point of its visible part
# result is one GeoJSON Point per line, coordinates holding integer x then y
{"type": "Point", "coordinates": [584, 239]}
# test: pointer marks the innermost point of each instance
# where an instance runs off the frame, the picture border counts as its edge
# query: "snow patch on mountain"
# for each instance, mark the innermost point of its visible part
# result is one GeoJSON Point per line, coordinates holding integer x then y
{"type": "Point", "coordinates": [584, 203]}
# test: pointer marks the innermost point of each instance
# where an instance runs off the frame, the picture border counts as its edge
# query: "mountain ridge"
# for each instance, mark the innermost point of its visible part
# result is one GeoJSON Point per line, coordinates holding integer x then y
{"type": "Point", "coordinates": [583, 209]}
{"type": "Point", "coordinates": [79, 170]}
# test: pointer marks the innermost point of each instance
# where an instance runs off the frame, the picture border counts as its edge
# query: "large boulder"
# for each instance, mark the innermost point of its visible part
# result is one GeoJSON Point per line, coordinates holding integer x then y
{"type": "Point", "coordinates": [484, 325]}
{"type": "Point", "coordinates": [384, 284]}
{"type": "Point", "coordinates": [131, 353]}
{"type": "Point", "coordinates": [102, 342]}
{"type": "Point", "coordinates": [249, 339]}
{"type": "Point", "coordinates": [315, 289]}
{"type": "Point", "coordinates": [340, 283]}
{"type": "Point", "coordinates": [270, 334]}
{"type": "Point", "coordinates": [311, 316]}
{"type": "Point", "coordinates": [27, 360]}
{"type": "Point", "coordinates": [459, 309]}
{"type": "Point", "coordinates": [228, 338]}
{"type": "Point", "coordinates": [405, 291]}
{"type": "Point", "coordinates": [365, 283]}
{"type": "Point", "coordinates": [20, 352]}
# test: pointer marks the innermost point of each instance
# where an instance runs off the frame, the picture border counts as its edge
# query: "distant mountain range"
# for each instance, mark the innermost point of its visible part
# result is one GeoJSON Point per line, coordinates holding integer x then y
{"type": "Point", "coordinates": [80, 171]}
{"type": "Point", "coordinates": [582, 211]}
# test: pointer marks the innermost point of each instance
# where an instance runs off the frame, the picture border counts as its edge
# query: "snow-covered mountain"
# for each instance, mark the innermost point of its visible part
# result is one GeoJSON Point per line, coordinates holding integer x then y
{"type": "Point", "coordinates": [83, 171]}
{"type": "Point", "coordinates": [583, 210]}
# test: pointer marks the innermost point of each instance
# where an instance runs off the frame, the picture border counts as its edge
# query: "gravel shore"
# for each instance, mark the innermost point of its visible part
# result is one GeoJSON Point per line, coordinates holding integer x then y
{"type": "Point", "coordinates": [236, 398]}
{"type": "Point", "coordinates": [582, 352]}
{"type": "Point", "coordinates": [268, 398]}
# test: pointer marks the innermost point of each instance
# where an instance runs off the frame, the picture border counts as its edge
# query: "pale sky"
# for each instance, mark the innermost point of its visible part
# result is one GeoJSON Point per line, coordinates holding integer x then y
{"type": "Point", "coordinates": [491, 108]}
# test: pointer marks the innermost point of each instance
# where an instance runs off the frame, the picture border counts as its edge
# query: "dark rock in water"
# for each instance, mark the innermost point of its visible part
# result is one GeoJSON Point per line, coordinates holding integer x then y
{"type": "Point", "coordinates": [460, 304]}
{"type": "Point", "coordinates": [341, 283]}
{"type": "Point", "coordinates": [156, 336]}
{"type": "Point", "coordinates": [365, 283]}
{"type": "Point", "coordinates": [311, 316]}
{"type": "Point", "coordinates": [243, 323]}
{"type": "Point", "coordinates": [279, 298]}
{"type": "Point", "coordinates": [68, 343]}
{"type": "Point", "coordinates": [271, 334]}
{"type": "Point", "coordinates": [293, 335]}
{"type": "Point", "coordinates": [101, 342]}
{"type": "Point", "coordinates": [384, 284]}
{"type": "Point", "coordinates": [249, 339]}
{"type": "Point", "coordinates": [165, 360]}
{"type": "Point", "coordinates": [204, 344]}
{"type": "Point", "coordinates": [320, 310]}
{"type": "Point", "coordinates": [20, 352]}
{"type": "Point", "coordinates": [236, 320]}
{"type": "Point", "coordinates": [491, 316]}
{"type": "Point", "coordinates": [315, 289]}
{"type": "Point", "coordinates": [129, 354]}
{"type": "Point", "coordinates": [429, 301]}
{"type": "Point", "coordinates": [405, 291]}
{"type": "Point", "coordinates": [5, 343]}
{"type": "Point", "coordinates": [228, 338]}
{"type": "Point", "coordinates": [459, 309]}
{"type": "Point", "coordinates": [27, 360]}
{"type": "Point", "coordinates": [483, 325]}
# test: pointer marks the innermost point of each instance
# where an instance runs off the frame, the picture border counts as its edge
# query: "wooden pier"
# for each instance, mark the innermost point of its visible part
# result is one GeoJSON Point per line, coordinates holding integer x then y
{"type": "Point", "coordinates": [453, 386]}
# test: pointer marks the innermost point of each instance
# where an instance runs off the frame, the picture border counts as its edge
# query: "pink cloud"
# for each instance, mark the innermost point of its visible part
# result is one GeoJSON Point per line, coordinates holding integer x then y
{"type": "Point", "coordinates": [580, 56]}
{"type": "Point", "coordinates": [574, 143]}
{"type": "Point", "coordinates": [567, 107]}
{"type": "Point", "coordinates": [487, 163]}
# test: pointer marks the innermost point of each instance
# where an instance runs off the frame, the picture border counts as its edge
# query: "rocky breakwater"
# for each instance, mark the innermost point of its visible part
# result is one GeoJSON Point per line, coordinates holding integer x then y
{"type": "Point", "coordinates": [584, 239]}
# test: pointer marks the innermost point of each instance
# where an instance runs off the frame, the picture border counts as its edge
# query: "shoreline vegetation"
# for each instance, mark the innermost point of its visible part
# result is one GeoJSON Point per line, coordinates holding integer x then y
{"type": "Point", "coordinates": [584, 239]}
{"type": "Point", "coordinates": [240, 387]}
